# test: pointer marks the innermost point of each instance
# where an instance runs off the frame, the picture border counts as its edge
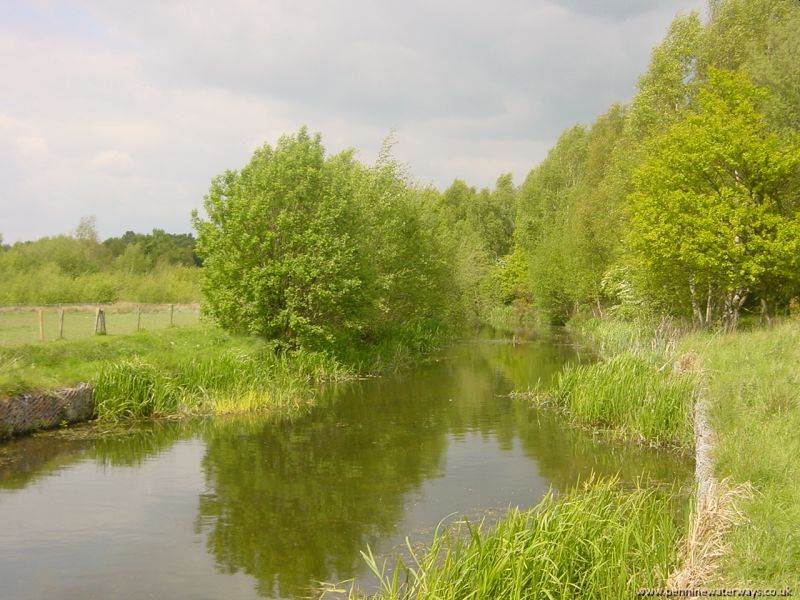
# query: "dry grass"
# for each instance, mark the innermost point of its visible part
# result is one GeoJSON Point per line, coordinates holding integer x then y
{"type": "Point", "coordinates": [707, 542]}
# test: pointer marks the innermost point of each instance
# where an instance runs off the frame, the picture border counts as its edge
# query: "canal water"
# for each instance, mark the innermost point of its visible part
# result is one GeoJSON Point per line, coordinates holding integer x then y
{"type": "Point", "coordinates": [253, 507]}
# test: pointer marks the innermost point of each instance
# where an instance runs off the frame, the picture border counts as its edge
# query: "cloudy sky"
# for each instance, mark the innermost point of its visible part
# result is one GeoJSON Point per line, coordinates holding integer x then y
{"type": "Point", "coordinates": [126, 110]}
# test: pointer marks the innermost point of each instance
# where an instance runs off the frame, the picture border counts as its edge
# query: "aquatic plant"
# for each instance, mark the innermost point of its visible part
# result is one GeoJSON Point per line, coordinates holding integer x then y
{"type": "Point", "coordinates": [629, 395]}
{"type": "Point", "coordinates": [596, 541]}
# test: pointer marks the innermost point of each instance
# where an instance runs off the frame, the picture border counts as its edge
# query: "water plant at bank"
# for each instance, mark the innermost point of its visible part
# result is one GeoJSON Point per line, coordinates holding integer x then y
{"type": "Point", "coordinates": [629, 397]}
{"type": "Point", "coordinates": [597, 540]}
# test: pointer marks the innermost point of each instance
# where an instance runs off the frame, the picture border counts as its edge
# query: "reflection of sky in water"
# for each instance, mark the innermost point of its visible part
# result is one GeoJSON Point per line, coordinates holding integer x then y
{"type": "Point", "coordinates": [244, 506]}
{"type": "Point", "coordinates": [102, 532]}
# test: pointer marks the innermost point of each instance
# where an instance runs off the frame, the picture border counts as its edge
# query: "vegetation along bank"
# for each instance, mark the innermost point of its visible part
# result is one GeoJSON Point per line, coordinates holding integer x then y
{"type": "Point", "coordinates": [668, 231]}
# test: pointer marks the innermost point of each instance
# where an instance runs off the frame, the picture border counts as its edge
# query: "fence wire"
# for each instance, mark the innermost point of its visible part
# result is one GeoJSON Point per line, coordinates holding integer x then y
{"type": "Point", "coordinates": [45, 323]}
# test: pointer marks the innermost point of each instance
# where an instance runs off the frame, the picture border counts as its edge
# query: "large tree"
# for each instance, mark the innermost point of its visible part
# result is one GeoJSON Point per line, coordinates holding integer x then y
{"type": "Point", "coordinates": [308, 249]}
{"type": "Point", "coordinates": [714, 213]}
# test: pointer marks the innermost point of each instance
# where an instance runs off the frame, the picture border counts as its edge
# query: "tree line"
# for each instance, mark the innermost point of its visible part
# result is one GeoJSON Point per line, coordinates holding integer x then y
{"type": "Point", "coordinates": [78, 267]}
{"type": "Point", "coordinates": [683, 201]}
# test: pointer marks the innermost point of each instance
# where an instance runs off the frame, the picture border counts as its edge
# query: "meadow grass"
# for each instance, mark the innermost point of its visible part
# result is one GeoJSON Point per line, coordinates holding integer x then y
{"type": "Point", "coordinates": [596, 541]}
{"type": "Point", "coordinates": [37, 366]}
{"type": "Point", "coordinates": [753, 394]}
{"type": "Point", "coordinates": [20, 325]}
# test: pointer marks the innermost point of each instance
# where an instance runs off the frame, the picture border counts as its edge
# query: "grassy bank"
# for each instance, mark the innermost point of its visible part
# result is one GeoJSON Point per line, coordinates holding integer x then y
{"type": "Point", "coordinates": [753, 391]}
{"type": "Point", "coordinates": [196, 369]}
{"type": "Point", "coordinates": [635, 392]}
{"type": "Point", "coordinates": [596, 541]}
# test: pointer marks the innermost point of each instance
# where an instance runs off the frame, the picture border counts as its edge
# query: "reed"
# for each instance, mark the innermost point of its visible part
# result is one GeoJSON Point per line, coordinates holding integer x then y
{"type": "Point", "coordinates": [629, 396]}
{"type": "Point", "coordinates": [596, 541]}
{"type": "Point", "coordinates": [609, 337]}
{"type": "Point", "coordinates": [231, 380]}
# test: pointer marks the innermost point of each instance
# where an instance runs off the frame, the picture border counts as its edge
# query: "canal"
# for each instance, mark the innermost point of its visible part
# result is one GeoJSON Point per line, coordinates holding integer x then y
{"type": "Point", "coordinates": [252, 506]}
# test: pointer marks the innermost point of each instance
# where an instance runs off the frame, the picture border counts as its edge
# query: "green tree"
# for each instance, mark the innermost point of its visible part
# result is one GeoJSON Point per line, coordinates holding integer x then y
{"type": "Point", "coordinates": [280, 257]}
{"type": "Point", "coordinates": [713, 212]}
{"type": "Point", "coordinates": [313, 250]}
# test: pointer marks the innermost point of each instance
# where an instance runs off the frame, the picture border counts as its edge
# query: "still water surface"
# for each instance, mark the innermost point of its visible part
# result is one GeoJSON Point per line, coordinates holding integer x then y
{"type": "Point", "coordinates": [248, 507]}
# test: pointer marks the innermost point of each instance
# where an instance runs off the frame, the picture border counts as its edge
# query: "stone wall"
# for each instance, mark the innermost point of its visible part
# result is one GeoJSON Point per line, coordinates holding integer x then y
{"type": "Point", "coordinates": [43, 410]}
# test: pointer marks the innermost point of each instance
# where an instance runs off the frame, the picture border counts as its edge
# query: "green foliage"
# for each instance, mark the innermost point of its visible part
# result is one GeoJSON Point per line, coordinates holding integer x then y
{"type": "Point", "coordinates": [139, 252]}
{"type": "Point", "coordinates": [630, 397]}
{"type": "Point", "coordinates": [476, 229]}
{"type": "Point", "coordinates": [313, 250]}
{"type": "Point", "coordinates": [568, 222]}
{"type": "Point", "coordinates": [666, 88]}
{"type": "Point", "coordinates": [686, 133]}
{"type": "Point", "coordinates": [79, 269]}
{"type": "Point", "coordinates": [714, 214]}
{"type": "Point", "coordinates": [596, 541]}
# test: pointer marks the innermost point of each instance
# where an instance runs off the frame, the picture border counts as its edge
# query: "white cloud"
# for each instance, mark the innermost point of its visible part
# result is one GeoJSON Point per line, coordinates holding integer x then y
{"type": "Point", "coordinates": [127, 110]}
{"type": "Point", "coordinates": [112, 161]}
{"type": "Point", "coordinates": [31, 145]}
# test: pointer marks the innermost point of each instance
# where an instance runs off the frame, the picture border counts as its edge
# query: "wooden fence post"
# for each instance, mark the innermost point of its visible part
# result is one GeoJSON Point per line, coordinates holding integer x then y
{"type": "Point", "coordinates": [100, 322]}
{"type": "Point", "coordinates": [41, 325]}
{"type": "Point", "coordinates": [171, 312]}
{"type": "Point", "coordinates": [138, 317]}
{"type": "Point", "coordinates": [61, 323]}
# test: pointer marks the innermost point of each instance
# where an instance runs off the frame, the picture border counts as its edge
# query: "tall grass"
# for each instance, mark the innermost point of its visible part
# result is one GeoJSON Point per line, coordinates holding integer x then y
{"type": "Point", "coordinates": [629, 396]}
{"type": "Point", "coordinates": [393, 349]}
{"type": "Point", "coordinates": [609, 337]}
{"type": "Point", "coordinates": [232, 380]}
{"type": "Point", "coordinates": [597, 541]}
{"type": "Point", "coordinates": [753, 398]}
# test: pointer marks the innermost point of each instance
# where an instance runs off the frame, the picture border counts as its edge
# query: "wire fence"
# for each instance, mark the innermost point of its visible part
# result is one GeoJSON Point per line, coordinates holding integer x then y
{"type": "Point", "coordinates": [47, 323]}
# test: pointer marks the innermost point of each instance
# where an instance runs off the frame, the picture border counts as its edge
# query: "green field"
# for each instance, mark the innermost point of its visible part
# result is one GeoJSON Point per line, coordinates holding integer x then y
{"type": "Point", "coordinates": [20, 325]}
{"type": "Point", "coordinates": [753, 391]}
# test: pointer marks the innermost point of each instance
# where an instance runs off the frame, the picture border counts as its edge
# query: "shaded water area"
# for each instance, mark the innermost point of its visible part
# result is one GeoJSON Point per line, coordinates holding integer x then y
{"type": "Point", "coordinates": [251, 506]}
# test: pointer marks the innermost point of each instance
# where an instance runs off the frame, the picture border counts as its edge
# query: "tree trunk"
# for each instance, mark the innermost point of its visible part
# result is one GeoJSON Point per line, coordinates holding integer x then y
{"type": "Point", "coordinates": [734, 300]}
{"type": "Point", "coordinates": [765, 312]}
{"type": "Point", "coordinates": [697, 313]}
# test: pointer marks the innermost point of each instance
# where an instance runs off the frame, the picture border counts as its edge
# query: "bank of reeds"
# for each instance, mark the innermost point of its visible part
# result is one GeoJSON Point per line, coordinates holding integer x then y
{"type": "Point", "coordinates": [596, 541]}
{"type": "Point", "coordinates": [649, 337]}
{"type": "Point", "coordinates": [232, 380]}
{"type": "Point", "coordinates": [629, 396]}
{"type": "Point", "coordinates": [640, 390]}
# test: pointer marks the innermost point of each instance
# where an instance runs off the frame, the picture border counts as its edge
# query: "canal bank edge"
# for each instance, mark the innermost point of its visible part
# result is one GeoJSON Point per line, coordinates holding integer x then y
{"type": "Point", "coordinates": [44, 410]}
{"type": "Point", "coordinates": [714, 511]}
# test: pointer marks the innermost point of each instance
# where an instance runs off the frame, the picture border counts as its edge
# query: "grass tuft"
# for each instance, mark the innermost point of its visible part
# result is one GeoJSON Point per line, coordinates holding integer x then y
{"type": "Point", "coordinates": [630, 396]}
{"type": "Point", "coordinates": [597, 541]}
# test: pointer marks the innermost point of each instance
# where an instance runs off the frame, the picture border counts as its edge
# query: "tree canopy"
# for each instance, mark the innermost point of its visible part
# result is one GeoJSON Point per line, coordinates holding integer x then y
{"type": "Point", "coordinates": [714, 214]}
{"type": "Point", "coordinates": [309, 249]}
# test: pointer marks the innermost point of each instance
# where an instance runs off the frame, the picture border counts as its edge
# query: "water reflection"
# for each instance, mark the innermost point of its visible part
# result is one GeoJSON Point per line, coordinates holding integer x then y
{"type": "Point", "coordinates": [290, 503]}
